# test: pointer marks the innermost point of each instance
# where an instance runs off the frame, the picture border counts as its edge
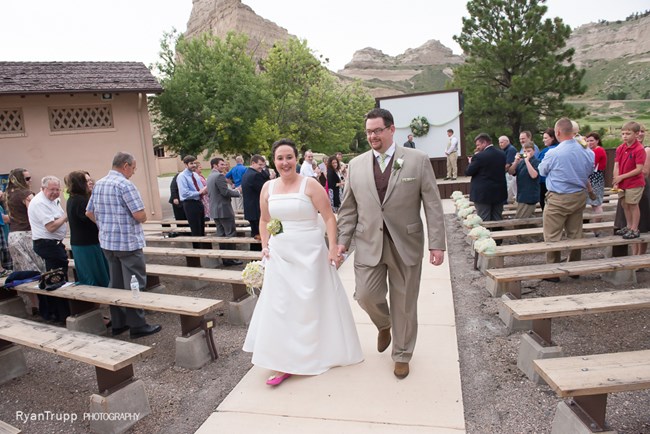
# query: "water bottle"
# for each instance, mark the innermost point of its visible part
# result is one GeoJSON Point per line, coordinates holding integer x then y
{"type": "Point", "coordinates": [135, 287]}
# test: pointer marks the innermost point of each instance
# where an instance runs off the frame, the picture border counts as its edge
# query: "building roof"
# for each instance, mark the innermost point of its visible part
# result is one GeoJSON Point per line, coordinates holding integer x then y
{"type": "Point", "coordinates": [20, 78]}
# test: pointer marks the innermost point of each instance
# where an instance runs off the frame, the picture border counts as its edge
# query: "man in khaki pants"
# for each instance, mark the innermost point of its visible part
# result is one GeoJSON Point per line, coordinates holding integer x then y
{"type": "Point", "coordinates": [452, 156]}
{"type": "Point", "coordinates": [385, 191]}
{"type": "Point", "coordinates": [567, 169]}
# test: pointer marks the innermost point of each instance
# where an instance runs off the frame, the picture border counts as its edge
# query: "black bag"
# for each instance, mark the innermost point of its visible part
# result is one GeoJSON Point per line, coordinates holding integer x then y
{"type": "Point", "coordinates": [53, 279]}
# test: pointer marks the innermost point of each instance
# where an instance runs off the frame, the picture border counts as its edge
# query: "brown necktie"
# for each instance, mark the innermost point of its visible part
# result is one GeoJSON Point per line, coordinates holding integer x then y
{"type": "Point", "coordinates": [196, 185]}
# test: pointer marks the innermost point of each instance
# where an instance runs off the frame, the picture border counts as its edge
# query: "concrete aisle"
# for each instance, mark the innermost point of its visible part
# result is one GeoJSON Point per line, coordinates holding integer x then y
{"type": "Point", "coordinates": [365, 398]}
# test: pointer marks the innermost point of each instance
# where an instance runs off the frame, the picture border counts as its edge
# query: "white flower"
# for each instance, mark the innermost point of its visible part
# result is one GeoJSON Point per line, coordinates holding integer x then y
{"type": "Point", "coordinates": [479, 232]}
{"type": "Point", "coordinates": [464, 212]}
{"type": "Point", "coordinates": [457, 195]}
{"type": "Point", "coordinates": [397, 165]}
{"type": "Point", "coordinates": [472, 220]}
{"type": "Point", "coordinates": [253, 276]}
{"type": "Point", "coordinates": [485, 245]}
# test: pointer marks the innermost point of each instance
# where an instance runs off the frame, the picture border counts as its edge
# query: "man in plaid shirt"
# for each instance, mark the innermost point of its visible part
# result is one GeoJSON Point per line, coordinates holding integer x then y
{"type": "Point", "coordinates": [117, 208]}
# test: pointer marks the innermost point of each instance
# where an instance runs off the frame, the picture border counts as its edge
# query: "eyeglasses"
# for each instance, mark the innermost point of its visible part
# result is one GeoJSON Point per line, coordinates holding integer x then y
{"type": "Point", "coordinates": [376, 131]}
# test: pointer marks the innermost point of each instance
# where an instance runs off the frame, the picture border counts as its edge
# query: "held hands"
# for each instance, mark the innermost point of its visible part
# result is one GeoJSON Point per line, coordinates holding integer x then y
{"type": "Point", "coordinates": [265, 253]}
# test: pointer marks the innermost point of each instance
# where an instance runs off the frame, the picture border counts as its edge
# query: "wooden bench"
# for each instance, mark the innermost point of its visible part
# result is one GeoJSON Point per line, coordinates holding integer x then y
{"type": "Point", "coordinates": [537, 313]}
{"type": "Point", "coordinates": [83, 300]}
{"type": "Point", "coordinates": [526, 232]}
{"type": "Point", "coordinates": [184, 223]}
{"type": "Point", "coordinates": [540, 311]}
{"type": "Point", "coordinates": [205, 240]}
{"type": "Point", "coordinates": [538, 221]}
{"type": "Point", "coordinates": [500, 281]}
{"type": "Point", "coordinates": [208, 230]}
{"type": "Point", "coordinates": [588, 380]}
{"type": "Point", "coordinates": [245, 255]}
{"type": "Point", "coordinates": [496, 259]}
{"type": "Point", "coordinates": [113, 361]}
{"type": "Point", "coordinates": [5, 428]}
{"type": "Point", "coordinates": [198, 274]}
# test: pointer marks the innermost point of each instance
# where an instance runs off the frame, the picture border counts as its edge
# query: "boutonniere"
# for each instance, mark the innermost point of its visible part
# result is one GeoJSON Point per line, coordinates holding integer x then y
{"type": "Point", "coordinates": [397, 165]}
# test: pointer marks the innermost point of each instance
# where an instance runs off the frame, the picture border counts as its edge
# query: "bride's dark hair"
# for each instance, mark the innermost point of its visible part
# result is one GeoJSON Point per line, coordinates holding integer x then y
{"type": "Point", "coordinates": [281, 142]}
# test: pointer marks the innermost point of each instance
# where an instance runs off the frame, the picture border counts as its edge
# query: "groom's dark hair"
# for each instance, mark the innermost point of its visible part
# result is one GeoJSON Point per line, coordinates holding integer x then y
{"type": "Point", "coordinates": [381, 113]}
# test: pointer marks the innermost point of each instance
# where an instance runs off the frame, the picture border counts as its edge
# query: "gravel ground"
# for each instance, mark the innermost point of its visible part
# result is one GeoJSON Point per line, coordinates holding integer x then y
{"type": "Point", "coordinates": [498, 398]}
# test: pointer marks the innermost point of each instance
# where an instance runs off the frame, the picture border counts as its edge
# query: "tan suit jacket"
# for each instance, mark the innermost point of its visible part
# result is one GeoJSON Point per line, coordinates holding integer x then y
{"type": "Point", "coordinates": [410, 187]}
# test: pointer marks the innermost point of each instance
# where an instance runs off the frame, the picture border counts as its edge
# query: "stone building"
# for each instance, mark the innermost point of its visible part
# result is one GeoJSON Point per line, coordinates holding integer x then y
{"type": "Point", "coordinates": [56, 117]}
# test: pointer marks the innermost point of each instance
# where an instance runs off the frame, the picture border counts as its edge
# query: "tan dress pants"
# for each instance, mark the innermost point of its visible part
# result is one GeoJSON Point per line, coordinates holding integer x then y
{"type": "Point", "coordinates": [402, 286]}
{"type": "Point", "coordinates": [563, 212]}
{"type": "Point", "coordinates": [452, 165]}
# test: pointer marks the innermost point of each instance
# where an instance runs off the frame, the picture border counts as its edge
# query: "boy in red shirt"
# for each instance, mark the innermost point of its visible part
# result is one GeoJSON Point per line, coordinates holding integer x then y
{"type": "Point", "coordinates": [628, 177]}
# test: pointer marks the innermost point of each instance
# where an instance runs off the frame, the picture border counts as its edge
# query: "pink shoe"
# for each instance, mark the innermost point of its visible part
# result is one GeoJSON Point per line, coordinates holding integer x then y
{"type": "Point", "coordinates": [275, 381]}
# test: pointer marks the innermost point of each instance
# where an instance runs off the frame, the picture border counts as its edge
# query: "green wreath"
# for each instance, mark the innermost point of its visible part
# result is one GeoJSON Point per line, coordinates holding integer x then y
{"type": "Point", "coordinates": [419, 126]}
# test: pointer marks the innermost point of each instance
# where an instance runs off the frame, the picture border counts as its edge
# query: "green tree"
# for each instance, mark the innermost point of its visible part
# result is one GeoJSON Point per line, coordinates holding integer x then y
{"type": "Point", "coordinates": [517, 71]}
{"type": "Point", "coordinates": [309, 104]}
{"type": "Point", "coordinates": [213, 98]}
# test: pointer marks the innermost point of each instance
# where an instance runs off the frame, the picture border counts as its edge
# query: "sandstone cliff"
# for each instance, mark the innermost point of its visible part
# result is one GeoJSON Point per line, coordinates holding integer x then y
{"type": "Point", "coordinates": [222, 16]}
{"type": "Point", "coordinates": [611, 40]}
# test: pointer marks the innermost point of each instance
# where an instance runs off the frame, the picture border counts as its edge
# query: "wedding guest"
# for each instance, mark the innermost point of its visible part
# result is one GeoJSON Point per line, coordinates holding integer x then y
{"type": "Point", "coordinates": [597, 177]}
{"type": "Point", "coordinates": [191, 193]}
{"type": "Point", "coordinates": [205, 200]}
{"type": "Point", "coordinates": [6, 265]}
{"type": "Point", "coordinates": [334, 182]}
{"type": "Point", "coordinates": [49, 227]}
{"type": "Point", "coordinates": [550, 142]}
{"type": "Point", "coordinates": [20, 236]}
{"type": "Point", "coordinates": [251, 183]}
{"type": "Point", "coordinates": [90, 263]}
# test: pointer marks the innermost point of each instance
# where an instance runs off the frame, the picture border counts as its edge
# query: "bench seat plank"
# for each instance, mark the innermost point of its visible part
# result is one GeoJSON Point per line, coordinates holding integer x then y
{"type": "Point", "coordinates": [578, 304]}
{"type": "Point", "coordinates": [596, 374]}
{"type": "Point", "coordinates": [588, 266]}
{"type": "Point", "coordinates": [581, 243]}
{"type": "Point", "coordinates": [599, 226]}
{"type": "Point", "coordinates": [169, 303]}
{"type": "Point", "coordinates": [190, 239]}
{"type": "Point", "coordinates": [238, 229]}
{"type": "Point", "coordinates": [105, 353]}
{"type": "Point", "coordinates": [606, 216]}
{"type": "Point", "coordinates": [203, 253]}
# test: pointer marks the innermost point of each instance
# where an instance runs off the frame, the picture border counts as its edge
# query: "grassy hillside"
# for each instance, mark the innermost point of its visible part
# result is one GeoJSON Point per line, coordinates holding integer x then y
{"type": "Point", "coordinates": [627, 78]}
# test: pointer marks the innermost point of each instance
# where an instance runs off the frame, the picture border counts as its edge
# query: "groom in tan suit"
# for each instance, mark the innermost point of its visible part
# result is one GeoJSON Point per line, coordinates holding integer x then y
{"type": "Point", "coordinates": [386, 188]}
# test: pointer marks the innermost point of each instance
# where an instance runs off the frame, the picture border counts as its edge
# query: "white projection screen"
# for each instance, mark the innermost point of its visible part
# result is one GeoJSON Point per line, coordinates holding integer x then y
{"type": "Point", "coordinates": [442, 109]}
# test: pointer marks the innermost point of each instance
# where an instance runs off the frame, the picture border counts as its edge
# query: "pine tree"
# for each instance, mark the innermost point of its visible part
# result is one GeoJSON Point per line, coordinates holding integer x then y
{"type": "Point", "coordinates": [517, 71]}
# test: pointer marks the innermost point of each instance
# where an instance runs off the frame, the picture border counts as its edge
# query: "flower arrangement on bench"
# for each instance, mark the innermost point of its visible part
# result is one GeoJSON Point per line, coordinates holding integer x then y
{"type": "Point", "coordinates": [464, 212]}
{"type": "Point", "coordinates": [485, 245]}
{"type": "Point", "coordinates": [472, 220]}
{"type": "Point", "coordinates": [479, 233]}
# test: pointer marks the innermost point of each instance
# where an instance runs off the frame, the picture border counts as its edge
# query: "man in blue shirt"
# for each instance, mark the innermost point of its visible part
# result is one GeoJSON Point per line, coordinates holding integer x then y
{"type": "Point", "coordinates": [235, 174]}
{"type": "Point", "coordinates": [567, 169]}
{"type": "Point", "coordinates": [117, 208]}
{"type": "Point", "coordinates": [190, 191]}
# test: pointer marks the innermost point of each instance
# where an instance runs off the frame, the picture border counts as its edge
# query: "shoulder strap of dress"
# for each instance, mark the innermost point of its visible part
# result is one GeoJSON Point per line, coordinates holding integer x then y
{"type": "Point", "coordinates": [303, 184]}
{"type": "Point", "coordinates": [271, 184]}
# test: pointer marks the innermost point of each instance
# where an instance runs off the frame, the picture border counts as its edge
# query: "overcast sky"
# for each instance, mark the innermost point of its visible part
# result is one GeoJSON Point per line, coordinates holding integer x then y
{"type": "Point", "coordinates": [130, 30]}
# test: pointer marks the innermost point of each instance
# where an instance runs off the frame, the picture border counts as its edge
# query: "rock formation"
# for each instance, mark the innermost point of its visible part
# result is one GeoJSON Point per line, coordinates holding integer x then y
{"type": "Point", "coordinates": [223, 16]}
{"type": "Point", "coordinates": [611, 40]}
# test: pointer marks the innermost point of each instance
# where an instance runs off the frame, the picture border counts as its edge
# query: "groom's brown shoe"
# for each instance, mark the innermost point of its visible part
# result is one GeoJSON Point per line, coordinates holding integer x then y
{"type": "Point", "coordinates": [383, 340]}
{"type": "Point", "coordinates": [401, 369]}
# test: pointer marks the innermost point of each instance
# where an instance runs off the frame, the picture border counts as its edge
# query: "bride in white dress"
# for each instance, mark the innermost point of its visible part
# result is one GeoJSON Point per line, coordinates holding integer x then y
{"type": "Point", "coordinates": [302, 324]}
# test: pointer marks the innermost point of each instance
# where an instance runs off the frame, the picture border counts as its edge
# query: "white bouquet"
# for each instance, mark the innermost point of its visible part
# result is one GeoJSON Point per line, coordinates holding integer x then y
{"type": "Point", "coordinates": [457, 195]}
{"type": "Point", "coordinates": [462, 203]}
{"type": "Point", "coordinates": [485, 245]}
{"type": "Point", "coordinates": [479, 232]}
{"type": "Point", "coordinates": [464, 212]}
{"type": "Point", "coordinates": [253, 276]}
{"type": "Point", "coordinates": [472, 220]}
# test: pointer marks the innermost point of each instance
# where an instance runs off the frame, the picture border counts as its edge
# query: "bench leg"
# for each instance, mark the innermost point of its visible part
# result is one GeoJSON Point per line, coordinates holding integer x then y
{"type": "Point", "coordinates": [511, 323]}
{"type": "Point", "coordinates": [120, 410]}
{"type": "Point", "coordinates": [575, 416]}
{"type": "Point", "coordinates": [108, 381]}
{"type": "Point", "coordinates": [12, 361]}
{"type": "Point", "coordinates": [196, 347]}
{"type": "Point", "coordinates": [497, 289]}
{"type": "Point", "coordinates": [530, 349]}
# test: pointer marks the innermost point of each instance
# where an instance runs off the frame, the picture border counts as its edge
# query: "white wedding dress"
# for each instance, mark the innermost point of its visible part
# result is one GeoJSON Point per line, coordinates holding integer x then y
{"type": "Point", "coordinates": [302, 323]}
